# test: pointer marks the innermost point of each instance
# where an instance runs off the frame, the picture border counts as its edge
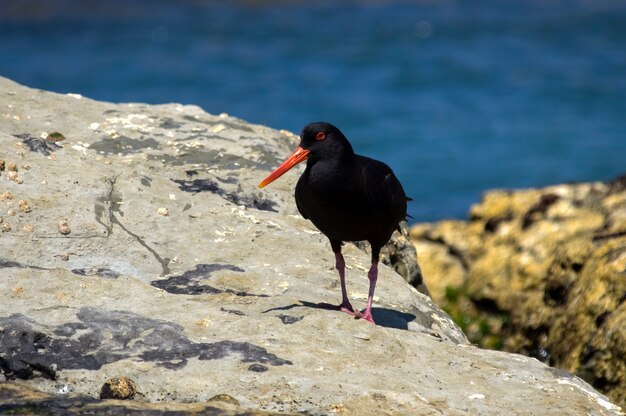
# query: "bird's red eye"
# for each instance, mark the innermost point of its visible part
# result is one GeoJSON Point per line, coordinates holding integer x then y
{"type": "Point", "coordinates": [320, 136]}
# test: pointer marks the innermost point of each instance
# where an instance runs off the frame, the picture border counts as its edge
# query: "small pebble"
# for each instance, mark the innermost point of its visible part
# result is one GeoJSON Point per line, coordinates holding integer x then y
{"type": "Point", "coordinates": [163, 211]}
{"type": "Point", "coordinates": [120, 388]}
{"type": "Point", "coordinates": [26, 166]}
{"type": "Point", "coordinates": [29, 228]}
{"type": "Point", "coordinates": [12, 212]}
{"type": "Point", "coordinates": [6, 195]}
{"type": "Point", "coordinates": [64, 227]}
{"type": "Point", "coordinates": [12, 167]}
{"type": "Point", "coordinates": [218, 128]}
{"type": "Point", "coordinates": [24, 207]}
{"type": "Point", "coordinates": [64, 256]}
{"type": "Point", "coordinates": [12, 175]}
{"type": "Point", "coordinates": [257, 368]}
{"type": "Point", "coordinates": [6, 227]}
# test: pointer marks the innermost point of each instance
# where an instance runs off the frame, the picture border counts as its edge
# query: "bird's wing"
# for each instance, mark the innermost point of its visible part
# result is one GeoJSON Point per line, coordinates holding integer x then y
{"type": "Point", "coordinates": [384, 190]}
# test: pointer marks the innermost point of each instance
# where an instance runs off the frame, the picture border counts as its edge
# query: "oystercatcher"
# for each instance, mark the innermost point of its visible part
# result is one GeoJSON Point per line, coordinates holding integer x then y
{"type": "Point", "coordinates": [348, 197]}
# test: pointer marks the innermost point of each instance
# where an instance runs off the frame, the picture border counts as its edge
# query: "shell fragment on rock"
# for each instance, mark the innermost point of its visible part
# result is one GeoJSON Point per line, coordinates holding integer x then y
{"type": "Point", "coordinates": [24, 206]}
{"type": "Point", "coordinates": [120, 388]}
{"type": "Point", "coordinates": [64, 227]}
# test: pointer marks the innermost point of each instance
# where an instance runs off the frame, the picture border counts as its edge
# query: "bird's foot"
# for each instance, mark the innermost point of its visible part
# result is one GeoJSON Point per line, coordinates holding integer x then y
{"type": "Point", "coordinates": [346, 307]}
{"type": "Point", "coordinates": [366, 315]}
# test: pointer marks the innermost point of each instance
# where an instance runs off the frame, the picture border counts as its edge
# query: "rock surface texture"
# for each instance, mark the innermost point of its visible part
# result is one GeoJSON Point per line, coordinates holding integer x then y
{"type": "Point", "coordinates": [540, 272]}
{"type": "Point", "coordinates": [135, 244]}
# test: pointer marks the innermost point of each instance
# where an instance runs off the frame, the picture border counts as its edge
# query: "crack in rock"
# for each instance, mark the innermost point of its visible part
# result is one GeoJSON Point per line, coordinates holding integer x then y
{"type": "Point", "coordinates": [233, 311]}
{"type": "Point", "coordinates": [9, 263]}
{"type": "Point", "coordinates": [110, 204]}
{"type": "Point", "coordinates": [289, 319]}
{"type": "Point", "coordinates": [95, 271]}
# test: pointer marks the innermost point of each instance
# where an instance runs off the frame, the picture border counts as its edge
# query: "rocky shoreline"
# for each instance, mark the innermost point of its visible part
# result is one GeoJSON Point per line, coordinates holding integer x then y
{"type": "Point", "coordinates": [541, 272]}
{"type": "Point", "coordinates": [135, 246]}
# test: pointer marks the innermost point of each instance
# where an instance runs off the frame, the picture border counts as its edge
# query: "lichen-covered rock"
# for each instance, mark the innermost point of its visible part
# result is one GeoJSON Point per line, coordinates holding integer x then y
{"type": "Point", "coordinates": [226, 296]}
{"type": "Point", "coordinates": [541, 272]}
{"type": "Point", "coordinates": [119, 388]}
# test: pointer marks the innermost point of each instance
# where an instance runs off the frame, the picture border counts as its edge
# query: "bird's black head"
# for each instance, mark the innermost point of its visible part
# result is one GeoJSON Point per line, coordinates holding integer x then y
{"type": "Point", "coordinates": [317, 141]}
{"type": "Point", "coordinates": [323, 140]}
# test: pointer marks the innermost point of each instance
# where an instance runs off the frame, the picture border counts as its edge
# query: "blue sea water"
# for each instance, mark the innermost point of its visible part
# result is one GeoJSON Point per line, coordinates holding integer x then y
{"type": "Point", "coordinates": [457, 96]}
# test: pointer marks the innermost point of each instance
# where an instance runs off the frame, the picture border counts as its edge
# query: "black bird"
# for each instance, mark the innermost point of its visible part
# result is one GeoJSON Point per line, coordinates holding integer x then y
{"type": "Point", "coordinates": [348, 197]}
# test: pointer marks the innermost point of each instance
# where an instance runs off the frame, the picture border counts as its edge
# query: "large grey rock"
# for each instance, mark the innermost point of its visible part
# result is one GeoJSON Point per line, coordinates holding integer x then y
{"type": "Point", "coordinates": [141, 247]}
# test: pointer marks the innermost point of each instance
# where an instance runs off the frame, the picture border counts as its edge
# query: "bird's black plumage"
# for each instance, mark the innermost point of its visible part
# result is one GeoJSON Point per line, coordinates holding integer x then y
{"type": "Point", "coordinates": [348, 197]}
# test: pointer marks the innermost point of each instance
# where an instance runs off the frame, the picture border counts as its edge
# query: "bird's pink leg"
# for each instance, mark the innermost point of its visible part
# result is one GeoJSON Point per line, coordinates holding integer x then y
{"type": "Point", "coordinates": [340, 264]}
{"type": "Point", "coordinates": [372, 275]}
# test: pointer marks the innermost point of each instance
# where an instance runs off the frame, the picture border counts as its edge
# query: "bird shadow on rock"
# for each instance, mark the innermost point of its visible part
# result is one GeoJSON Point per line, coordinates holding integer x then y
{"type": "Point", "coordinates": [384, 317]}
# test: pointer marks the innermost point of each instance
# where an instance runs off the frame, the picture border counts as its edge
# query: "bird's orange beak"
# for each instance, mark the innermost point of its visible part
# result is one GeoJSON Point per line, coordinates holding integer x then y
{"type": "Point", "coordinates": [296, 157]}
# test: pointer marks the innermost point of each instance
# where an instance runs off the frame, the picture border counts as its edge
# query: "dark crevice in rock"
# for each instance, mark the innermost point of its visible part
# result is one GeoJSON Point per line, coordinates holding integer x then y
{"type": "Point", "coordinates": [601, 319]}
{"type": "Point", "coordinates": [199, 185]}
{"type": "Point", "coordinates": [36, 144]}
{"type": "Point", "coordinates": [289, 319]}
{"type": "Point", "coordinates": [169, 123]}
{"type": "Point", "coordinates": [207, 185]}
{"type": "Point", "coordinates": [556, 294]}
{"type": "Point", "coordinates": [541, 207]}
{"type": "Point", "coordinates": [9, 263]}
{"type": "Point", "coordinates": [29, 349]}
{"type": "Point", "coordinates": [146, 181]}
{"type": "Point", "coordinates": [537, 348]}
{"type": "Point", "coordinates": [190, 282]}
{"type": "Point", "coordinates": [488, 306]}
{"type": "Point", "coordinates": [258, 368]}
{"type": "Point", "coordinates": [229, 180]}
{"type": "Point", "coordinates": [95, 271]}
{"type": "Point", "coordinates": [452, 250]}
{"type": "Point", "coordinates": [124, 145]}
{"type": "Point", "coordinates": [233, 311]}
{"type": "Point", "coordinates": [492, 224]}
{"type": "Point", "coordinates": [599, 237]}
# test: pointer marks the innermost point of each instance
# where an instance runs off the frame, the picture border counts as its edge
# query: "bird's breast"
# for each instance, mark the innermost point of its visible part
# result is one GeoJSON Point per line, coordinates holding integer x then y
{"type": "Point", "coordinates": [338, 206]}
